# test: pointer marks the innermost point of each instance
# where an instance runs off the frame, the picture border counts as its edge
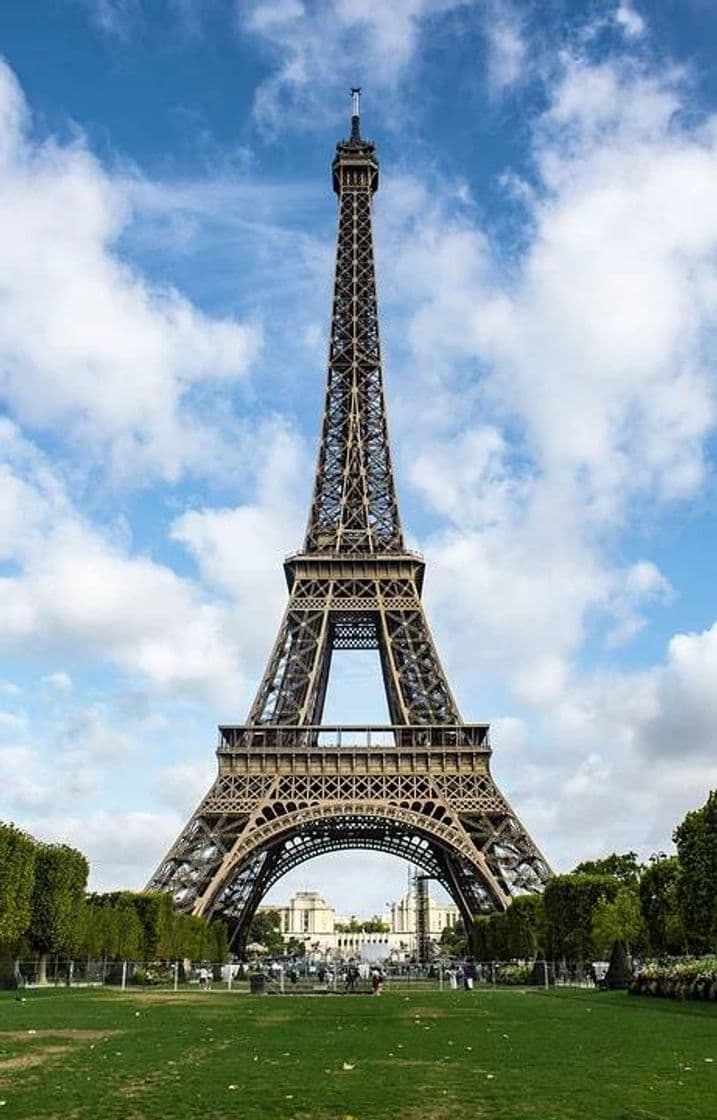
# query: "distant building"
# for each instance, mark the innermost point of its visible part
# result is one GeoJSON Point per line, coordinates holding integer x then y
{"type": "Point", "coordinates": [440, 915]}
{"type": "Point", "coordinates": [309, 918]}
{"type": "Point", "coordinates": [306, 914]}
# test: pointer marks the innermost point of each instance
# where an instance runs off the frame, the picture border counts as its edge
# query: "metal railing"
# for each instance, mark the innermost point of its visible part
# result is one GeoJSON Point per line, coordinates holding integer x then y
{"type": "Point", "coordinates": [273, 737]}
{"type": "Point", "coordinates": [291, 977]}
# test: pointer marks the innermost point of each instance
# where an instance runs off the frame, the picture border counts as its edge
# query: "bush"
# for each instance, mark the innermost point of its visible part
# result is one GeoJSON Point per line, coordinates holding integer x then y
{"type": "Point", "coordinates": [514, 974]}
{"type": "Point", "coordinates": [537, 973]}
{"type": "Point", "coordinates": [619, 973]}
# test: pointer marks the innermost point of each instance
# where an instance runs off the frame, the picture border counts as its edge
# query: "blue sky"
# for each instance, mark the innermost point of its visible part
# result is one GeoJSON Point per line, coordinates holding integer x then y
{"type": "Point", "coordinates": [546, 238]}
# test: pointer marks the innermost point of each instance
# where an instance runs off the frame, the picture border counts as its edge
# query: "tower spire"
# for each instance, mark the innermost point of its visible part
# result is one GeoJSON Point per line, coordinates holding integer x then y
{"type": "Point", "coordinates": [356, 113]}
{"type": "Point", "coordinates": [354, 507]}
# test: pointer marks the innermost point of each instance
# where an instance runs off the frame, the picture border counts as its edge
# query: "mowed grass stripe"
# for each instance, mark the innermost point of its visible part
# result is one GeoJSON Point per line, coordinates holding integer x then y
{"type": "Point", "coordinates": [499, 1055]}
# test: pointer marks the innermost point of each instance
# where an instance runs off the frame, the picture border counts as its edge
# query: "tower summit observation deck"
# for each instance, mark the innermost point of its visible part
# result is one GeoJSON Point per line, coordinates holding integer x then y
{"type": "Point", "coordinates": [289, 787]}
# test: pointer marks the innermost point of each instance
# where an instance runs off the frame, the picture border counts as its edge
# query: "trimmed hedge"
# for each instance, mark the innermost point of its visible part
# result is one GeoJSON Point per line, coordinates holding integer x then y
{"type": "Point", "coordinates": [685, 979]}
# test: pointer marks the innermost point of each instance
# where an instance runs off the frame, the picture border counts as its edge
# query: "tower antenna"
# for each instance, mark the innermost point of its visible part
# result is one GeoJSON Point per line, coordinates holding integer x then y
{"type": "Point", "coordinates": [356, 112]}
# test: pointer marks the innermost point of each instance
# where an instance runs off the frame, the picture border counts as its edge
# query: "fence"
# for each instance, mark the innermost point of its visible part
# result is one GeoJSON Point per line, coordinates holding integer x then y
{"type": "Point", "coordinates": [291, 977]}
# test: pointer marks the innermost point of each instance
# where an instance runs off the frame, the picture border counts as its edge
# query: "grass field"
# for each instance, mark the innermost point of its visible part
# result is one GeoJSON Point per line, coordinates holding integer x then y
{"type": "Point", "coordinates": [499, 1055]}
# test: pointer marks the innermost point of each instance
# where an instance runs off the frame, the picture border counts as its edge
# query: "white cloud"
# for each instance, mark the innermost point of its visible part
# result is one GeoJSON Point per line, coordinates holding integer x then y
{"type": "Point", "coordinates": [507, 47]}
{"type": "Point", "coordinates": [88, 347]}
{"type": "Point", "coordinates": [181, 785]}
{"type": "Point", "coordinates": [12, 721]}
{"type": "Point", "coordinates": [81, 593]}
{"type": "Point", "coordinates": [373, 40]}
{"type": "Point", "coordinates": [120, 846]}
{"type": "Point", "coordinates": [597, 394]}
{"type": "Point", "coordinates": [630, 753]}
{"type": "Point", "coordinates": [239, 550]}
{"type": "Point", "coordinates": [685, 720]}
{"type": "Point", "coordinates": [629, 21]}
{"type": "Point", "coordinates": [59, 681]}
{"type": "Point", "coordinates": [24, 784]}
{"type": "Point", "coordinates": [557, 396]}
{"type": "Point", "coordinates": [113, 17]}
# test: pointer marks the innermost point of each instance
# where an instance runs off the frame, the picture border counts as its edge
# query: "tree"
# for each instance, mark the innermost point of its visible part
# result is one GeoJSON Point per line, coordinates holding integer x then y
{"type": "Point", "coordinates": [128, 932]}
{"type": "Point", "coordinates": [524, 927]}
{"type": "Point", "coordinates": [218, 943]}
{"type": "Point", "coordinates": [375, 925]}
{"type": "Point", "coordinates": [660, 905]}
{"type": "Point", "coordinates": [624, 867]}
{"type": "Point", "coordinates": [696, 840]}
{"type": "Point", "coordinates": [265, 929]}
{"type": "Point", "coordinates": [57, 901]}
{"type": "Point", "coordinates": [618, 920]}
{"type": "Point", "coordinates": [481, 925]}
{"type": "Point", "coordinates": [352, 926]}
{"type": "Point", "coordinates": [17, 869]}
{"type": "Point", "coordinates": [453, 941]}
{"type": "Point", "coordinates": [295, 948]}
{"type": "Point", "coordinates": [570, 903]}
{"type": "Point", "coordinates": [156, 912]}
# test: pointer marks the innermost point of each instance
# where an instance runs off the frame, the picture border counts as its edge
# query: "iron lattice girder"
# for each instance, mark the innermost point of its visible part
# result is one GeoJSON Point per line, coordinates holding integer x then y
{"type": "Point", "coordinates": [290, 788]}
{"type": "Point", "coordinates": [418, 791]}
{"type": "Point", "coordinates": [385, 593]}
{"type": "Point", "coordinates": [354, 507]}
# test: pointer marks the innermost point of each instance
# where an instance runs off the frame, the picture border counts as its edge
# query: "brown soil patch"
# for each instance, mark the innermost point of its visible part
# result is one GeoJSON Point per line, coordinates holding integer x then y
{"type": "Point", "coordinates": [274, 1019]}
{"type": "Point", "coordinates": [26, 1061]}
{"type": "Point", "coordinates": [165, 996]}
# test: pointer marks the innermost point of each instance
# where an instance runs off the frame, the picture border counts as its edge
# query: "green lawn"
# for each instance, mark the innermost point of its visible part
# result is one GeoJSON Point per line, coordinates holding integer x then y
{"type": "Point", "coordinates": [501, 1055]}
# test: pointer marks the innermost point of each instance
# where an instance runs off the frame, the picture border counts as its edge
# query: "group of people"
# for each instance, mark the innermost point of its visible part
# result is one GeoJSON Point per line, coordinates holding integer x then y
{"type": "Point", "coordinates": [462, 975]}
{"type": "Point", "coordinates": [353, 975]}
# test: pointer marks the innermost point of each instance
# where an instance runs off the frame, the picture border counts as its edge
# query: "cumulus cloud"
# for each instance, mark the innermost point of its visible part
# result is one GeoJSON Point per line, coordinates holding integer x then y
{"type": "Point", "coordinates": [507, 46]}
{"type": "Point", "coordinates": [304, 38]}
{"type": "Point", "coordinates": [80, 592]}
{"type": "Point", "coordinates": [629, 21]}
{"type": "Point", "coordinates": [562, 393]}
{"type": "Point", "coordinates": [120, 846]}
{"type": "Point", "coordinates": [239, 550]}
{"type": "Point", "coordinates": [88, 347]}
{"type": "Point", "coordinates": [596, 393]}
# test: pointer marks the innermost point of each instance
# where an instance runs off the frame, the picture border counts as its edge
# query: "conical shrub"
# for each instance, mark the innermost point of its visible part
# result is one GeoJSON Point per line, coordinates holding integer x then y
{"type": "Point", "coordinates": [619, 973]}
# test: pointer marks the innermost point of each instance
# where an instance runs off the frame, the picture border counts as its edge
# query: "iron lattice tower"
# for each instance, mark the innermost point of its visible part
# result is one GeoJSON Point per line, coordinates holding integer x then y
{"type": "Point", "coordinates": [290, 788]}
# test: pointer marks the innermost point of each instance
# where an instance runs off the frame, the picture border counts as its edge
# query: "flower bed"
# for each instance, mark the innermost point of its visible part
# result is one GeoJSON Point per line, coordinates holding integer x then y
{"type": "Point", "coordinates": [513, 974]}
{"type": "Point", "coordinates": [689, 978]}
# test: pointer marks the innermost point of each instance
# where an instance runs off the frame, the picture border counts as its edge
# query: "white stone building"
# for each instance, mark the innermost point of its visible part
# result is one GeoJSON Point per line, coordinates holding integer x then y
{"type": "Point", "coordinates": [309, 918]}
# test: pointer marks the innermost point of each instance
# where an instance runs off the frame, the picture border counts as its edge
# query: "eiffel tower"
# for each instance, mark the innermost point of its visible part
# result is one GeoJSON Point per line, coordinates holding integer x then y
{"type": "Point", "coordinates": [289, 787]}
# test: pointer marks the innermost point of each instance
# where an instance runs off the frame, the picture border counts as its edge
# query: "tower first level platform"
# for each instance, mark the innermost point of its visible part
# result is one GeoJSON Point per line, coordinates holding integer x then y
{"type": "Point", "coordinates": [285, 794]}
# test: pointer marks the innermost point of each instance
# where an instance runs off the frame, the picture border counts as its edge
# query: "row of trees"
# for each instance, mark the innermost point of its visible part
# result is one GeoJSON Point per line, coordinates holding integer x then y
{"type": "Point", "coordinates": [370, 925]}
{"type": "Point", "coordinates": [45, 910]}
{"type": "Point", "coordinates": [667, 906]}
{"type": "Point", "coordinates": [42, 891]}
{"type": "Point", "coordinates": [145, 926]}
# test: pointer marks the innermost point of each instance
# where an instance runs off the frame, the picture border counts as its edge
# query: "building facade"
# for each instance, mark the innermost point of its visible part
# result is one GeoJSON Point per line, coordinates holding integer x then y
{"type": "Point", "coordinates": [310, 919]}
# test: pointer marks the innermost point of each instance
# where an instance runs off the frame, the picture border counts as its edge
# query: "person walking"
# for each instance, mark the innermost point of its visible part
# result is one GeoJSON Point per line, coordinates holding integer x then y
{"type": "Point", "coordinates": [469, 974]}
{"type": "Point", "coordinates": [352, 976]}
